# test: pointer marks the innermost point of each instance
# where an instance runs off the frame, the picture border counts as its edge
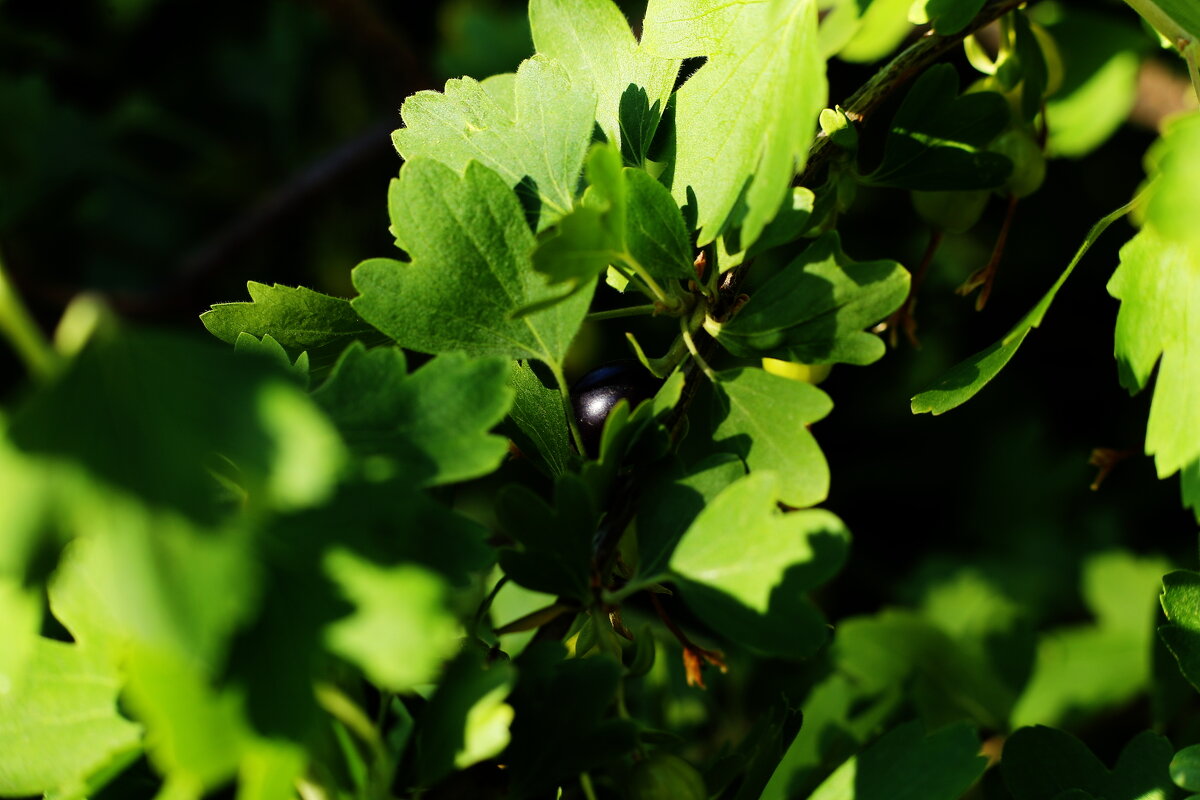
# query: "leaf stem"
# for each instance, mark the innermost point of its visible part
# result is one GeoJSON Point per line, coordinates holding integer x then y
{"type": "Point", "coordinates": [487, 604]}
{"type": "Point", "coordinates": [22, 332]}
{"type": "Point", "coordinates": [628, 311]}
{"type": "Point", "coordinates": [585, 783]}
{"type": "Point", "coordinates": [669, 302]}
{"type": "Point", "coordinates": [568, 408]}
{"type": "Point", "coordinates": [632, 588]}
{"type": "Point", "coordinates": [695, 351]}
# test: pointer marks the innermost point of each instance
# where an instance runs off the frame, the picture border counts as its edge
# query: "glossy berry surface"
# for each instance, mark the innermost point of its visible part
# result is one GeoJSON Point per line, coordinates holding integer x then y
{"type": "Point", "coordinates": [595, 394]}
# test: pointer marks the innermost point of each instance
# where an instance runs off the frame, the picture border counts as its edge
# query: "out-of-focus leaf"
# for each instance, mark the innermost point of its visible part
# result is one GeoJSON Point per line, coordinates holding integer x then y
{"type": "Point", "coordinates": [569, 698]}
{"type": "Point", "coordinates": [152, 413]}
{"type": "Point", "coordinates": [1084, 669]}
{"type": "Point", "coordinates": [402, 630]}
{"type": "Point", "coordinates": [1045, 764]}
{"type": "Point", "coordinates": [906, 764]}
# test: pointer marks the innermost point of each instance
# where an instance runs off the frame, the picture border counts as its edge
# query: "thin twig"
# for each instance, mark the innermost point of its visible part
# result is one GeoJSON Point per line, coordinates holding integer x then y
{"type": "Point", "coordinates": [899, 71]}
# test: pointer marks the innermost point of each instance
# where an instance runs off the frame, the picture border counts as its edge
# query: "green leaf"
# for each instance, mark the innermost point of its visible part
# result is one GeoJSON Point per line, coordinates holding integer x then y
{"type": "Point", "coordinates": [965, 379]}
{"type": "Point", "coordinates": [568, 699]}
{"type": "Point", "coordinates": [745, 567]}
{"type": "Point", "coordinates": [946, 16]}
{"type": "Point", "coordinates": [433, 422]}
{"type": "Point", "coordinates": [470, 271]}
{"type": "Point", "coordinates": [815, 309]}
{"type": "Point", "coordinates": [592, 41]}
{"type": "Point", "coordinates": [670, 502]}
{"type": "Point", "coordinates": [763, 418]}
{"type": "Point", "coordinates": [838, 719]}
{"type": "Point", "coordinates": [949, 677]}
{"type": "Point", "coordinates": [1185, 768]}
{"type": "Point", "coordinates": [1100, 56]}
{"type": "Point", "coordinates": [1068, 679]}
{"type": "Point", "coordinates": [745, 119]}
{"type": "Point", "coordinates": [61, 725]}
{"type": "Point", "coordinates": [937, 136]}
{"type": "Point", "coordinates": [152, 413]}
{"type": "Point", "coordinates": [908, 765]}
{"type": "Point", "coordinates": [299, 319]}
{"type": "Point", "coordinates": [269, 348]}
{"type": "Point", "coordinates": [467, 720]}
{"type": "Point", "coordinates": [1158, 284]}
{"type": "Point", "coordinates": [402, 630]}
{"type": "Point", "coordinates": [1043, 763]}
{"type": "Point", "coordinates": [138, 589]}
{"type": "Point", "coordinates": [535, 127]}
{"type": "Point", "coordinates": [555, 543]}
{"type": "Point", "coordinates": [540, 418]}
{"type": "Point", "coordinates": [760, 752]}
{"type": "Point", "coordinates": [626, 217]}
{"type": "Point", "coordinates": [1181, 602]}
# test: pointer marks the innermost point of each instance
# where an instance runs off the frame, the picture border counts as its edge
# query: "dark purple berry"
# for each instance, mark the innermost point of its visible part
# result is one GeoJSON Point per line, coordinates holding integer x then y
{"type": "Point", "coordinates": [595, 394]}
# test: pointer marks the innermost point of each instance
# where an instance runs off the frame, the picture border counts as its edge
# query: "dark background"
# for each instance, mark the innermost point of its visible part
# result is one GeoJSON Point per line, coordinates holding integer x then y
{"type": "Point", "coordinates": [164, 153]}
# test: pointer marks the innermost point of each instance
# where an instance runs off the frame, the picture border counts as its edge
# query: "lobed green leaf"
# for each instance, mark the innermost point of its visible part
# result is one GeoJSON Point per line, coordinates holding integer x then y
{"type": "Point", "coordinates": [470, 271]}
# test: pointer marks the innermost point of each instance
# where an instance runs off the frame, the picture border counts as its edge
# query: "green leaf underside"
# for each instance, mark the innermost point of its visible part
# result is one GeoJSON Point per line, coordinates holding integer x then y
{"type": "Point", "coordinates": [537, 411]}
{"type": "Point", "coordinates": [434, 421]}
{"type": "Point", "coordinates": [297, 318]}
{"type": "Point", "coordinates": [764, 420]}
{"type": "Point", "coordinates": [908, 765]}
{"type": "Point", "coordinates": [745, 119]}
{"type": "Point", "coordinates": [591, 39]}
{"type": "Point", "coordinates": [815, 309]}
{"type": "Point", "coordinates": [1047, 764]}
{"type": "Point", "coordinates": [752, 587]}
{"type": "Point", "coordinates": [533, 126]}
{"type": "Point", "coordinates": [965, 379]}
{"type": "Point", "coordinates": [470, 271]}
{"type": "Point", "coordinates": [61, 725]}
{"type": "Point", "coordinates": [626, 217]}
{"type": "Point", "coordinates": [936, 138]}
{"type": "Point", "coordinates": [268, 347]}
{"type": "Point", "coordinates": [1158, 284]}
